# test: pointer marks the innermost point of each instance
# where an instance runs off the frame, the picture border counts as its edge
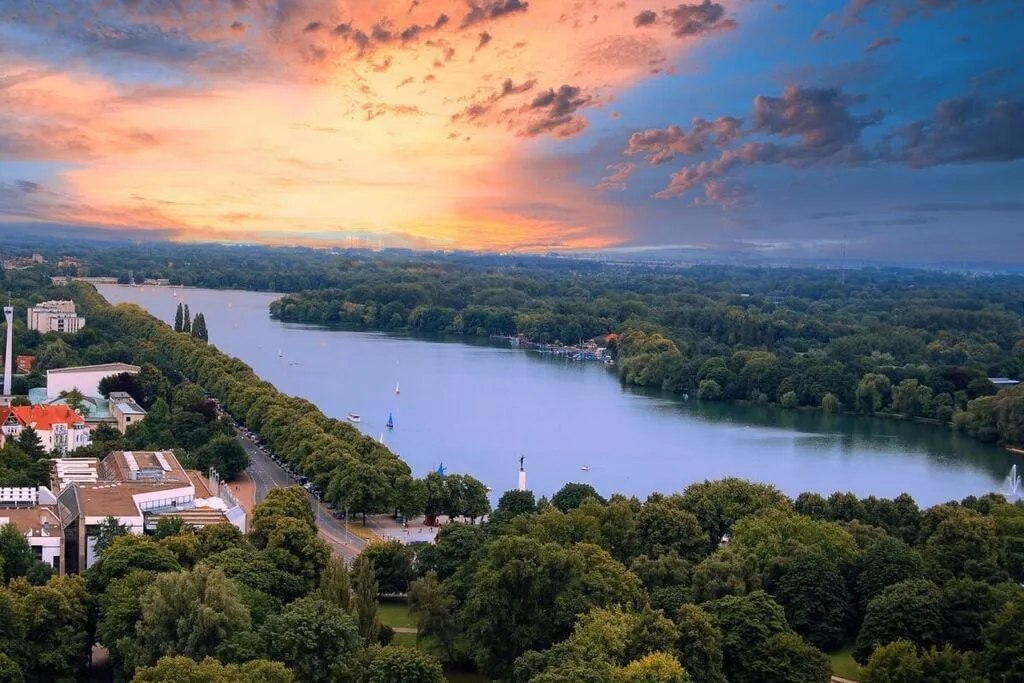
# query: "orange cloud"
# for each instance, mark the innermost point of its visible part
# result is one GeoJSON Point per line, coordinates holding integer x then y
{"type": "Point", "coordinates": [324, 119]}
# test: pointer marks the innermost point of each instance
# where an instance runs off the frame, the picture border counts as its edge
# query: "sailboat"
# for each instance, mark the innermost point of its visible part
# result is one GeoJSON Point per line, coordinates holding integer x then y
{"type": "Point", "coordinates": [585, 468]}
{"type": "Point", "coordinates": [381, 439]}
{"type": "Point", "coordinates": [397, 391]}
{"type": "Point", "coordinates": [280, 353]}
{"type": "Point", "coordinates": [391, 422]}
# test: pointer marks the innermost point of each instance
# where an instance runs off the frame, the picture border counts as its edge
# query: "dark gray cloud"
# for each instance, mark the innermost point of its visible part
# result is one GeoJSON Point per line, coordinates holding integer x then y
{"type": "Point", "coordinates": [495, 9]}
{"type": "Point", "coordinates": [901, 10]}
{"type": "Point", "coordinates": [485, 38]}
{"type": "Point", "coordinates": [697, 19]}
{"type": "Point", "coordinates": [879, 43]}
{"type": "Point", "coordinates": [821, 126]}
{"type": "Point", "coordinates": [963, 131]}
{"type": "Point", "coordinates": [645, 18]}
{"type": "Point", "coordinates": [508, 89]}
{"type": "Point", "coordinates": [554, 112]}
{"type": "Point", "coordinates": [28, 187]}
{"type": "Point", "coordinates": [661, 145]}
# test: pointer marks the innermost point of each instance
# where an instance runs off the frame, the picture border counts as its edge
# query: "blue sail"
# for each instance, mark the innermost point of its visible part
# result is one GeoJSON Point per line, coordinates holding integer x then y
{"type": "Point", "coordinates": [391, 421]}
{"type": "Point", "coordinates": [441, 468]}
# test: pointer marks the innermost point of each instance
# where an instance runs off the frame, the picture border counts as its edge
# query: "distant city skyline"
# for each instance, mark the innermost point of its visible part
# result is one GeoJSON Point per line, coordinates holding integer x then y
{"type": "Point", "coordinates": [891, 130]}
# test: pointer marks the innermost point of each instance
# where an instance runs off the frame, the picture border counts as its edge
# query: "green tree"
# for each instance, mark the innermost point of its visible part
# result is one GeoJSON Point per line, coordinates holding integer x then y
{"type": "Point", "coordinates": [364, 598]}
{"type": "Point", "coordinates": [224, 454]}
{"type": "Point", "coordinates": [657, 667]}
{"type": "Point", "coordinates": [336, 584]}
{"type": "Point", "coordinates": [514, 502]}
{"type": "Point", "coordinates": [16, 556]}
{"type": "Point", "coordinates": [727, 571]}
{"type": "Point", "coordinates": [106, 532]}
{"type": "Point", "coordinates": [949, 666]}
{"type": "Point", "coordinates": [30, 444]}
{"type": "Point", "coordinates": [887, 562]}
{"type": "Point", "coordinates": [967, 606]}
{"type": "Point", "coordinates": [872, 391]}
{"type": "Point", "coordinates": [179, 318]}
{"type": "Point", "coordinates": [662, 528]}
{"type": "Point", "coordinates": [747, 622]}
{"type": "Point", "coordinates": [315, 638]}
{"type": "Point", "coordinates": [392, 563]}
{"type": "Point", "coordinates": [709, 390]}
{"type": "Point", "coordinates": [896, 662]}
{"type": "Point", "coordinates": [785, 657]}
{"type": "Point", "coordinates": [360, 488]}
{"type": "Point", "coordinates": [572, 495]}
{"type": "Point", "coordinates": [552, 584]}
{"type": "Point", "coordinates": [433, 605]}
{"type": "Point", "coordinates": [291, 501]}
{"type": "Point", "coordinates": [10, 672]}
{"type": "Point", "coordinates": [964, 545]}
{"type": "Point", "coordinates": [120, 608]}
{"type": "Point", "coordinates": [127, 554]}
{"type": "Point", "coordinates": [909, 610]}
{"type": "Point", "coordinates": [699, 647]}
{"type": "Point", "coordinates": [910, 398]}
{"type": "Point", "coordinates": [789, 400]}
{"type": "Point", "coordinates": [1004, 642]}
{"type": "Point", "coordinates": [829, 403]}
{"type": "Point", "coordinates": [403, 665]}
{"type": "Point", "coordinates": [199, 328]}
{"type": "Point", "coordinates": [453, 546]}
{"type": "Point", "coordinates": [188, 613]}
{"type": "Point", "coordinates": [720, 504]}
{"type": "Point", "coordinates": [186, 321]}
{"type": "Point", "coordinates": [812, 591]}
{"type": "Point", "coordinates": [56, 618]}
{"type": "Point", "coordinates": [185, 670]}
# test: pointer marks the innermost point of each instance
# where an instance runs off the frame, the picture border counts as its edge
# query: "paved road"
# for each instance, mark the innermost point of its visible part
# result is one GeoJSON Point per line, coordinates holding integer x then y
{"type": "Point", "coordinates": [267, 474]}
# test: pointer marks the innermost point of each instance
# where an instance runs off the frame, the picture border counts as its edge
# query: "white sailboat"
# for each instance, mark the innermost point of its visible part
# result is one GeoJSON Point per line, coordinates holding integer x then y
{"type": "Point", "coordinates": [397, 390]}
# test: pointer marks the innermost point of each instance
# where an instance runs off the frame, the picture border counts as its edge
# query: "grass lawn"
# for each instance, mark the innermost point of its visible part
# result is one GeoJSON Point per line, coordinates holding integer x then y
{"type": "Point", "coordinates": [843, 664]}
{"type": "Point", "coordinates": [404, 640]}
{"type": "Point", "coordinates": [357, 528]}
{"type": "Point", "coordinates": [395, 614]}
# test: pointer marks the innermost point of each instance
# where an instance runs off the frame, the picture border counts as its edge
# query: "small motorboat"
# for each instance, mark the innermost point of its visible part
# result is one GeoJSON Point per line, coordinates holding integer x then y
{"type": "Point", "coordinates": [352, 417]}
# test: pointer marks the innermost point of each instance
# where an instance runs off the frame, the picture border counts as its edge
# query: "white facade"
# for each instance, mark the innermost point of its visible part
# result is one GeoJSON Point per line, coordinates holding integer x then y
{"type": "Point", "coordinates": [32, 511]}
{"type": "Point", "coordinates": [85, 379]}
{"type": "Point", "coordinates": [55, 316]}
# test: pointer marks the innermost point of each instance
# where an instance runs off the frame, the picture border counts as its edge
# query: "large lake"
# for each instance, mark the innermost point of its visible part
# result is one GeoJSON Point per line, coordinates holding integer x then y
{"type": "Point", "coordinates": [477, 408]}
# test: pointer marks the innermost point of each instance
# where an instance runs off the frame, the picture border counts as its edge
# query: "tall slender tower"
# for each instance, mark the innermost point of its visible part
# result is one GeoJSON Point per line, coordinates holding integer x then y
{"type": "Point", "coordinates": [9, 354]}
{"type": "Point", "coordinates": [522, 474]}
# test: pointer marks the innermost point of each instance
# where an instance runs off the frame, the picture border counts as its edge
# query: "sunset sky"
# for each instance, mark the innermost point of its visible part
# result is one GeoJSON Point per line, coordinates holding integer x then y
{"type": "Point", "coordinates": [892, 127]}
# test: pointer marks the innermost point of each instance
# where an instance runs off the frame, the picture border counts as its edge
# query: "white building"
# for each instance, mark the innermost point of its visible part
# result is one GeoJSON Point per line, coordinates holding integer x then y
{"type": "Point", "coordinates": [84, 378]}
{"type": "Point", "coordinates": [61, 430]}
{"type": "Point", "coordinates": [136, 488]}
{"type": "Point", "coordinates": [55, 316]}
{"type": "Point", "coordinates": [33, 511]}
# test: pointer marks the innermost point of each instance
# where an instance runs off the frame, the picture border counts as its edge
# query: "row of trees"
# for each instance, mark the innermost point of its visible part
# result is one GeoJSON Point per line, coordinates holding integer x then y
{"type": "Point", "coordinates": [356, 472]}
{"type": "Point", "coordinates": [726, 581]}
{"type": "Point", "coordinates": [209, 604]}
{"type": "Point", "coordinates": [183, 322]}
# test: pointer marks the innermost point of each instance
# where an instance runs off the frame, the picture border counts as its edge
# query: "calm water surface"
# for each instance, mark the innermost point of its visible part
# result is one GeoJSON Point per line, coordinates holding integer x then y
{"type": "Point", "coordinates": [477, 408]}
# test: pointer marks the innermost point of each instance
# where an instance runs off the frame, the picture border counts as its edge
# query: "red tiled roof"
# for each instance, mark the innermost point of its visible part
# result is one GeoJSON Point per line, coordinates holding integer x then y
{"type": "Point", "coordinates": [42, 417]}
